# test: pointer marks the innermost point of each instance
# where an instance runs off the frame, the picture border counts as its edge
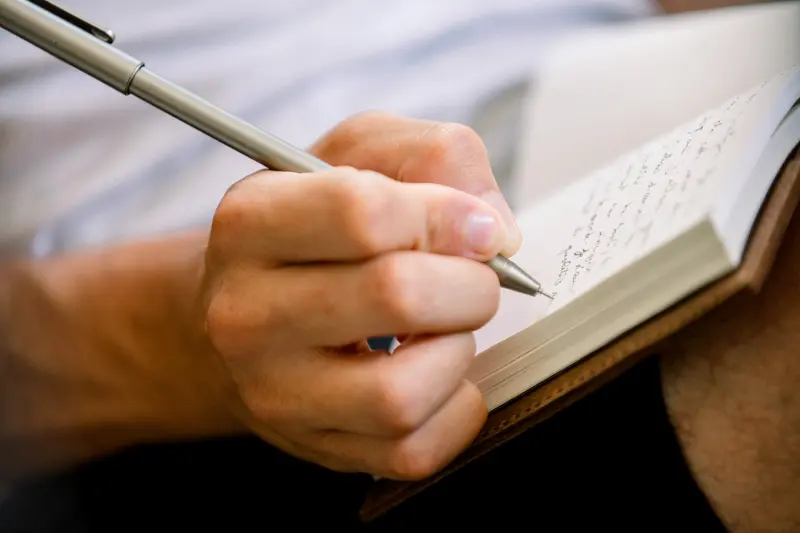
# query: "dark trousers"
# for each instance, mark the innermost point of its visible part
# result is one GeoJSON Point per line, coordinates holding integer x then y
{"type": "Point", "coordinates": [610, 462]}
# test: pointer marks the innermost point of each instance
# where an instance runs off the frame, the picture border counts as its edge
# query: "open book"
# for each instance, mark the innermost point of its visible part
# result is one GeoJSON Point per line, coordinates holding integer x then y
{"type": "Point", "coordinates": [627, 241]}
{"type": "Point", "coordinates": [656, 174]}
{"type": "Point", "coordinates": [608, 90]}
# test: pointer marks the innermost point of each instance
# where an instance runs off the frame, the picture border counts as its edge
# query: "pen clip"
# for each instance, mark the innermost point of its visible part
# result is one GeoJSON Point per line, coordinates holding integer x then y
{"type": "Point", "coordinates": [96, 31]}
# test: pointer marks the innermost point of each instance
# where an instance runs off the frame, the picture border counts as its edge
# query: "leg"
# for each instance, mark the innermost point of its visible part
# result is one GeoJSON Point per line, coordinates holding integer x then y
{"type": "Point", "coordinates": [732, 388]}
{"type": "Point", "coordinates": [230, 484]}
{"type": "Point", "coordinates": [609, 462]}
{"type": "Point", "coordinates": [730, 385]}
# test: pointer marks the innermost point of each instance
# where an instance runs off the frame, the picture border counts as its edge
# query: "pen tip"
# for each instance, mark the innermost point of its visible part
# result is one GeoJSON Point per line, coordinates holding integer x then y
{"type": "Point", "coordinates": [514, 278]}
{"type": "Point", "coordinates": [546, 295]}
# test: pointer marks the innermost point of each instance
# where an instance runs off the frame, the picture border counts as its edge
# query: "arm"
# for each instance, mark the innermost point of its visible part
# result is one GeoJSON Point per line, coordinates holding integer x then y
{"type": "Point", "coordinates": [253, 325]}
{"type": "Point", "coordinates": [97, 354]}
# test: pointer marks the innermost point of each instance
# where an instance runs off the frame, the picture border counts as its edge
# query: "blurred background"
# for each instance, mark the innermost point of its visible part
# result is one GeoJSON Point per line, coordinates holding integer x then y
{"type": "Point", "coordinates": [82, 164]}
{"type": "Point", "coordinates": [554, 87]}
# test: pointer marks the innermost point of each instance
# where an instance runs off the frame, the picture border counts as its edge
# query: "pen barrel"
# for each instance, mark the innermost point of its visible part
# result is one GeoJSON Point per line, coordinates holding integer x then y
{"type": "Point", "coordinates": [68, 43]}
{"type": "Point", "coordinates": [243, 137]}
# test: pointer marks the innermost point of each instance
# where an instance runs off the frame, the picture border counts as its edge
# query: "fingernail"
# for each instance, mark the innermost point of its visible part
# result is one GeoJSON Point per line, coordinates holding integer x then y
{"type": "Point", "coordinates": [513, 233]}
{"type": "Point", "coordinates": [481, 232]}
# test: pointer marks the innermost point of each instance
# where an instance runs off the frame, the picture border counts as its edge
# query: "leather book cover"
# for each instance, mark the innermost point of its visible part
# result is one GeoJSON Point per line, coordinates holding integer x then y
{"type": "Point", "coordinates": [603, 365]}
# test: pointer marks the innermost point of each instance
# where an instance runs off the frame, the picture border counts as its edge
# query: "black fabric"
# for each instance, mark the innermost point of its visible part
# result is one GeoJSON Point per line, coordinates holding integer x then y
{"type": "Point", "coordinates": [609, 462]}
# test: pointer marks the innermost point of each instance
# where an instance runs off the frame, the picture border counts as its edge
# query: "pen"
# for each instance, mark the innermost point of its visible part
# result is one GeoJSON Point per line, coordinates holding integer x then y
{"type": "Point", "coordinates": [88, 47]}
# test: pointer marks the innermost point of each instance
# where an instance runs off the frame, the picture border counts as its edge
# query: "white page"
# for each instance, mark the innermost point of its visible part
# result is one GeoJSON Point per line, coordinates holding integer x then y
{"type": "Point", "coordinates": [608, 220]}
{"type": "Point", "coordinates": [605, 93]}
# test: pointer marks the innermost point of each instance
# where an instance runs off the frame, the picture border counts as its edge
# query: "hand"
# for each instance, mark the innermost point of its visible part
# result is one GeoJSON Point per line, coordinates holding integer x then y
{"type": "Point", "coordinates": [301, 269]}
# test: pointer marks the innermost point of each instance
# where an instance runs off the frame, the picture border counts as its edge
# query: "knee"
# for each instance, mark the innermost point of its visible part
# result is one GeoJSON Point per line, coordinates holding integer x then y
{"type": "Point", "coordinates": [731, 383]}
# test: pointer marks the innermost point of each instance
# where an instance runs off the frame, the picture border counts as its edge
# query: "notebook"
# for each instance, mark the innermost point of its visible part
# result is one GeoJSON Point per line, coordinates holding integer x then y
{"type": "Point", "coordinates": [608, 90]}
{"type": "Point", "coordinates": [642, 213]}
{"type": "Point", "coordinates": [632, 238]}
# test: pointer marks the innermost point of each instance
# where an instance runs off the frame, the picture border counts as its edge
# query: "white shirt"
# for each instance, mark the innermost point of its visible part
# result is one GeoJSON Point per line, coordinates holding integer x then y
{"type": "Point", "coordinates": [82, 164]}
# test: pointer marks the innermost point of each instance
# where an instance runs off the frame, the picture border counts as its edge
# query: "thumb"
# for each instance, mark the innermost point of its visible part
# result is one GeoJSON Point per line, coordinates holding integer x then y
{"type": "Point", "coordinates": [459, 223]}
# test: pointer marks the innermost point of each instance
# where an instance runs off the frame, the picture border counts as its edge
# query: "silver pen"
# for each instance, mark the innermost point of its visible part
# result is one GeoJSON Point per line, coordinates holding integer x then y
{"type": "Point", "coordinates": [88, 47]}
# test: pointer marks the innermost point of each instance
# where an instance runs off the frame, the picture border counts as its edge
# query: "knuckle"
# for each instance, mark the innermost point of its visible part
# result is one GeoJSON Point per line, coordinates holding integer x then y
{"type": "Point", "coordinates": [247, 203]}
{"type": "Point", "coordinates": [413, 462]}
{"type": "Point", "coordinates": [355, 126]}
{"type": "Point", "coordinates": [264, 408]}
{"type": "Point", "coordinates": [228, 214]}
{"type": "Point", "coordinates": [445, 142]}
{"type": "Point", "coordinates": [235, 330]}
{"type": "Point", "coordinates": [220, 322]}
{"type": "Point", "coordinates": [231, 215]}
{"type": "Point", "coordinates": [361, 202]}
{"type": "Point", "coordinates": [397, 406]}
{"type": "Point", "coordinates": [394, 291]}
{"type": "Point", "coordinates": [475, 403]}
{"type": "Point", "coordinates": [346, 135]}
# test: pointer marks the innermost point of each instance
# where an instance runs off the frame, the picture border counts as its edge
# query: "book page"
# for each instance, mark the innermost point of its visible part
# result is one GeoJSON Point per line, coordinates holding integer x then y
{"type": "Point", "coordinates": [610, 90]}
{"type": "Point", "coordinates": [605, 222]}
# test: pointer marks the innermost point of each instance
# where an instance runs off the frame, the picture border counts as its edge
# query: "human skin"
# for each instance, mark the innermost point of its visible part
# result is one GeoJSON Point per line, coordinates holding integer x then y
{"type": "Point", "coordinates": [112, 347]}
{"type": "Point", "coordinates": [259, 324]}
{"type": "Point", "coordinates": [731, 384]}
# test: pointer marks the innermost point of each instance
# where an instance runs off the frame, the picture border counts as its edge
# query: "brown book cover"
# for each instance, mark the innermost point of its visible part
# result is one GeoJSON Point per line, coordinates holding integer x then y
{"type": "Point", "coordinates": [603, 365]}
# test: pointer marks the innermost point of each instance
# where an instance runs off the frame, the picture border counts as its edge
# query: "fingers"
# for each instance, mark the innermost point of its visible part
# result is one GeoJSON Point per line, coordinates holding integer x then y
{"type": "Point", "coordinates": [391, 396]}
{"type": "Point", "coordinates": [402, 415]}
{"type": "Point", "coordinates": [416, 455]}
{"type": "Point", "coordinates": [335, 305]}
{"type": "Point", "coordinates": [419, 151]}
{"type": "Point", "coordinates": [349, 215]}
{"type": "Point", "coordinates": [299, 263]}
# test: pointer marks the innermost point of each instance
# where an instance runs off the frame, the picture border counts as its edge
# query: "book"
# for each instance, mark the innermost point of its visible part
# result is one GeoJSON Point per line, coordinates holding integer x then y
{"type": "Point", "coordinates": [628, 240]}
{"type": "Point", "coordinates": [608, 90]}
{"type": "Point", "coordinates": [657, 170]}
{"type": "Point", "coordinates": [575, 129]}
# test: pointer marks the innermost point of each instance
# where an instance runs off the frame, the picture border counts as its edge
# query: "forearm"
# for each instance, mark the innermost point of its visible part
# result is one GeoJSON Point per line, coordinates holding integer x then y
{"type": "Point", "coordinates": [102, 350]}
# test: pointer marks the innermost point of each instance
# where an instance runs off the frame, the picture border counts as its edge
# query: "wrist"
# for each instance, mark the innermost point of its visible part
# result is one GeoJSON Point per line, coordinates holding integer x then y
{"type": "Point", "coordinates": [106, 349]}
